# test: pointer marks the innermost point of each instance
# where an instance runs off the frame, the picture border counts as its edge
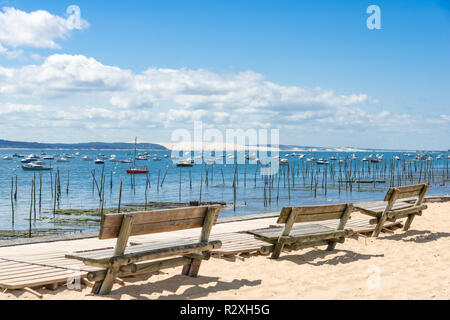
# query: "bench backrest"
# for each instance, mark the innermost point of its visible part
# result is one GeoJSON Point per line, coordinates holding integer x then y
{"type": "Point", "coordinates": [291, 215]}
{"type": "Point", "coordinates": [156, 221]}
{"type": "Point", "coordinates": [399, 193]}
{"type": "Point", "coordinates": [313, 213]}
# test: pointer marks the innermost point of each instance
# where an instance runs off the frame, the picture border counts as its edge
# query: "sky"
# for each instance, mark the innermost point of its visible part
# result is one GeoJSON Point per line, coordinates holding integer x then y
{"type": "Point", "coordinates": [311, 69]}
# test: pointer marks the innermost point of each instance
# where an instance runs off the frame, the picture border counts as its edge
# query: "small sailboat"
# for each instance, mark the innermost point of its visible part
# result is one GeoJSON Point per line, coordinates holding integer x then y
{"type": "Point", "coordinates": [7, 158]}
{"type": "Point", "coordinates": [62, 160]}
{"type": "Point", "coordinates": [99, 161]}
{"type": "Point", "coordinates": [86, 158]}
{"type": "Point", "coordinates": [284, 162]}
{"type": "Point", "coordinates": [137, 169]}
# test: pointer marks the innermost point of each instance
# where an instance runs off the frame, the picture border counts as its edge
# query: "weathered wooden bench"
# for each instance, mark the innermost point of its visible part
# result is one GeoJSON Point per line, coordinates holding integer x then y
{"type": "Point", "coordinates": [123, 261]}
{"type": "Point", "coordinates": [306, 235]}
{"type": "Point", "coordinates": [391, 209]}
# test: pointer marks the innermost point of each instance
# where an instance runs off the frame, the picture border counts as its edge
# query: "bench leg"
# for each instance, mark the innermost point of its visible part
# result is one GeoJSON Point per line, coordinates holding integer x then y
{"type": "Point", "coordinates": [104, 287]}
{"type": "Point", "coordinates": [379, 227]}
{"type": "Point", "coordinates": [96, 287]}
{"type": "Point", "coordinates": [277, 250]}
{"type": "Point", "coordinates": [408, 222]}
{"type": "Point", "coordinates": [331, 245]}
{"type": "Point", "coordinates": [191, 270]}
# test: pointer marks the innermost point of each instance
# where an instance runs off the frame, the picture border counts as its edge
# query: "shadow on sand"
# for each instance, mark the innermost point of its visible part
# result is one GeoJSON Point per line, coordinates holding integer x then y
{"type": "Point", "coordinates": [418, 236]}
{"type": "Point", "coordinates": [311, 256]}
{"type": "Point", "coordinates": [173, 284]}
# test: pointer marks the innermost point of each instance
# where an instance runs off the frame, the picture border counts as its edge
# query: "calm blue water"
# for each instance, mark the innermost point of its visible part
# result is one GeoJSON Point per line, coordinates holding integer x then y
{"type": "Point", "coordinates": [249, 200]}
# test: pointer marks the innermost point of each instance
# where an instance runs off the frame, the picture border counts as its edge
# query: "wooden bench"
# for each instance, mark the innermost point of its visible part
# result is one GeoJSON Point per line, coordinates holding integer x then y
{"type": "Point", "coordinates": [391, 209]}
{"type": "Point", "coordinates": [306, 235]}
{"type": "Point", "coordinates": [123, 261]}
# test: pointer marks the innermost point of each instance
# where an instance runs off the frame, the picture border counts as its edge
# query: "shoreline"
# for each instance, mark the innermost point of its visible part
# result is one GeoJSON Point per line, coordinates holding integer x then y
{"type": "Point", "coordinates": [90, 235]}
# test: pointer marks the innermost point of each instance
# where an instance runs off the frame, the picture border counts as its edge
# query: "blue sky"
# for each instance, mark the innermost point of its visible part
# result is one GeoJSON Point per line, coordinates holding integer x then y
{"type": "Point", "coordinates": [332, 81]}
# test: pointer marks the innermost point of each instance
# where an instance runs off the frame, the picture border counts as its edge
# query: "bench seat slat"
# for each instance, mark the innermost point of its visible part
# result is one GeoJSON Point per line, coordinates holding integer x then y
{"type": "Point", "coordinates": [104, 256]}
{"type": "Point", "coordinates": [297, 231]}
{"type": "Point", "coordinates": [379, 206]}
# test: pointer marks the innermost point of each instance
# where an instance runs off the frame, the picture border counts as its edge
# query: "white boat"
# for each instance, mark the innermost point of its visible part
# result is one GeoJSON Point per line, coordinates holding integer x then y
{"type": "Point", "coordinates": [284, 162]}
{"type": "Point", "coordinates": [186, 163]}
{"type": "Point", "coordinates": [7, 158]}
{"type": "Point", "coordinates": [86, 158]}
{"type": "Point", "coordinates": [99, 161]}
{"type": "Point", "coordinates": [48, 158]}
{"type": "Point", "coordinates": [78, 154]}
{"type": "Point", "coordinates": [125, 161]}
{"type": "Point", "coordinates": [156, 159]}
{"type": "Point", "coordinates": [35, 167]}
{"type": "Point", "coordinates": [62, 160]}
{"type": "Point", "coordinates": [321, 161]}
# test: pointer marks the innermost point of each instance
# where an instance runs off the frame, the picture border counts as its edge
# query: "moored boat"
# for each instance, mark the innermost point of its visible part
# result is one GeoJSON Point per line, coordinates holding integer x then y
{"type": "Point", "coordinates": [138, 170]}
{"type": "Point", "coordinates": [35, 167]}
{"type": "Point", "coordinates": [186, 163]}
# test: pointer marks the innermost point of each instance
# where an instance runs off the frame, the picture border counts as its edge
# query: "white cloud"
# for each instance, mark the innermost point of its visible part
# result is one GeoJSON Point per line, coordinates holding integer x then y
{"type": "Point", "coordinates": [189, 89]}
{"type": "Point", "coordinates": [67, 93]}
{"type": "Point", "coordinates": [37, 29]}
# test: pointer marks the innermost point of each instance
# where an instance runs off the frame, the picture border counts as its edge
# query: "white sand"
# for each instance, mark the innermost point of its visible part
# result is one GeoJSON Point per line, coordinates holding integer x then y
{"type": "Point", "coordinates": [406, 265]}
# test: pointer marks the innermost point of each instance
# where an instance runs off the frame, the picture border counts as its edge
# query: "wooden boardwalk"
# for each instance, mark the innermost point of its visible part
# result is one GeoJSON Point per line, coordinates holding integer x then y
{"type": "Point", "coordinates": [44, 264]}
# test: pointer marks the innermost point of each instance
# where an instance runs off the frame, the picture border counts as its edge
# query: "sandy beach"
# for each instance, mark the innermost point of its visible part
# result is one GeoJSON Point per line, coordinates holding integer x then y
{"type": "Point", "coordinates": [404, 265]}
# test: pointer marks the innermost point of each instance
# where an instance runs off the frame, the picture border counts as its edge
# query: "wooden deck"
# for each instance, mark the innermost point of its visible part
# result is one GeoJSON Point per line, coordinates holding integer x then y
{"type": "Point", "coordinates": [44, 264]}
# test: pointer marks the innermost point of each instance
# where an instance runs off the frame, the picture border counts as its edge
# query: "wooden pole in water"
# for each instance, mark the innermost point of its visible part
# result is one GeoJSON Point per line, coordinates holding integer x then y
{"type": "Point", "coordinates": [31, 211]}
{"type": "Point", "coordinates": [201, 187]}
{"type": "Point", "coordinates": [146, 189]}
{"type": "Point", "coordinates": [51, 184]}
{"type": "Point", "coordinates": [120, 194]}
{"type": "Point", "coordinates": [15, 192]}
{"type": "Point", "coordinates": [179, 188]}
{"type": "Point", "coordinates": [164, 177]}
{"type": "Point", "coordinates": [34, 195]}
{"type": "Point", "coordinates": [157, 185]}
{"type": "Point", "coordinates": [54, 198]}
{"type": "Point", "coordinates": [12, 201]}
{"type": "Point", "coordinates": [40, 192]}
{"type": "Point", "coordinates": [68, 182]}
{"type": "Point", "coordinates": [190, 179]}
